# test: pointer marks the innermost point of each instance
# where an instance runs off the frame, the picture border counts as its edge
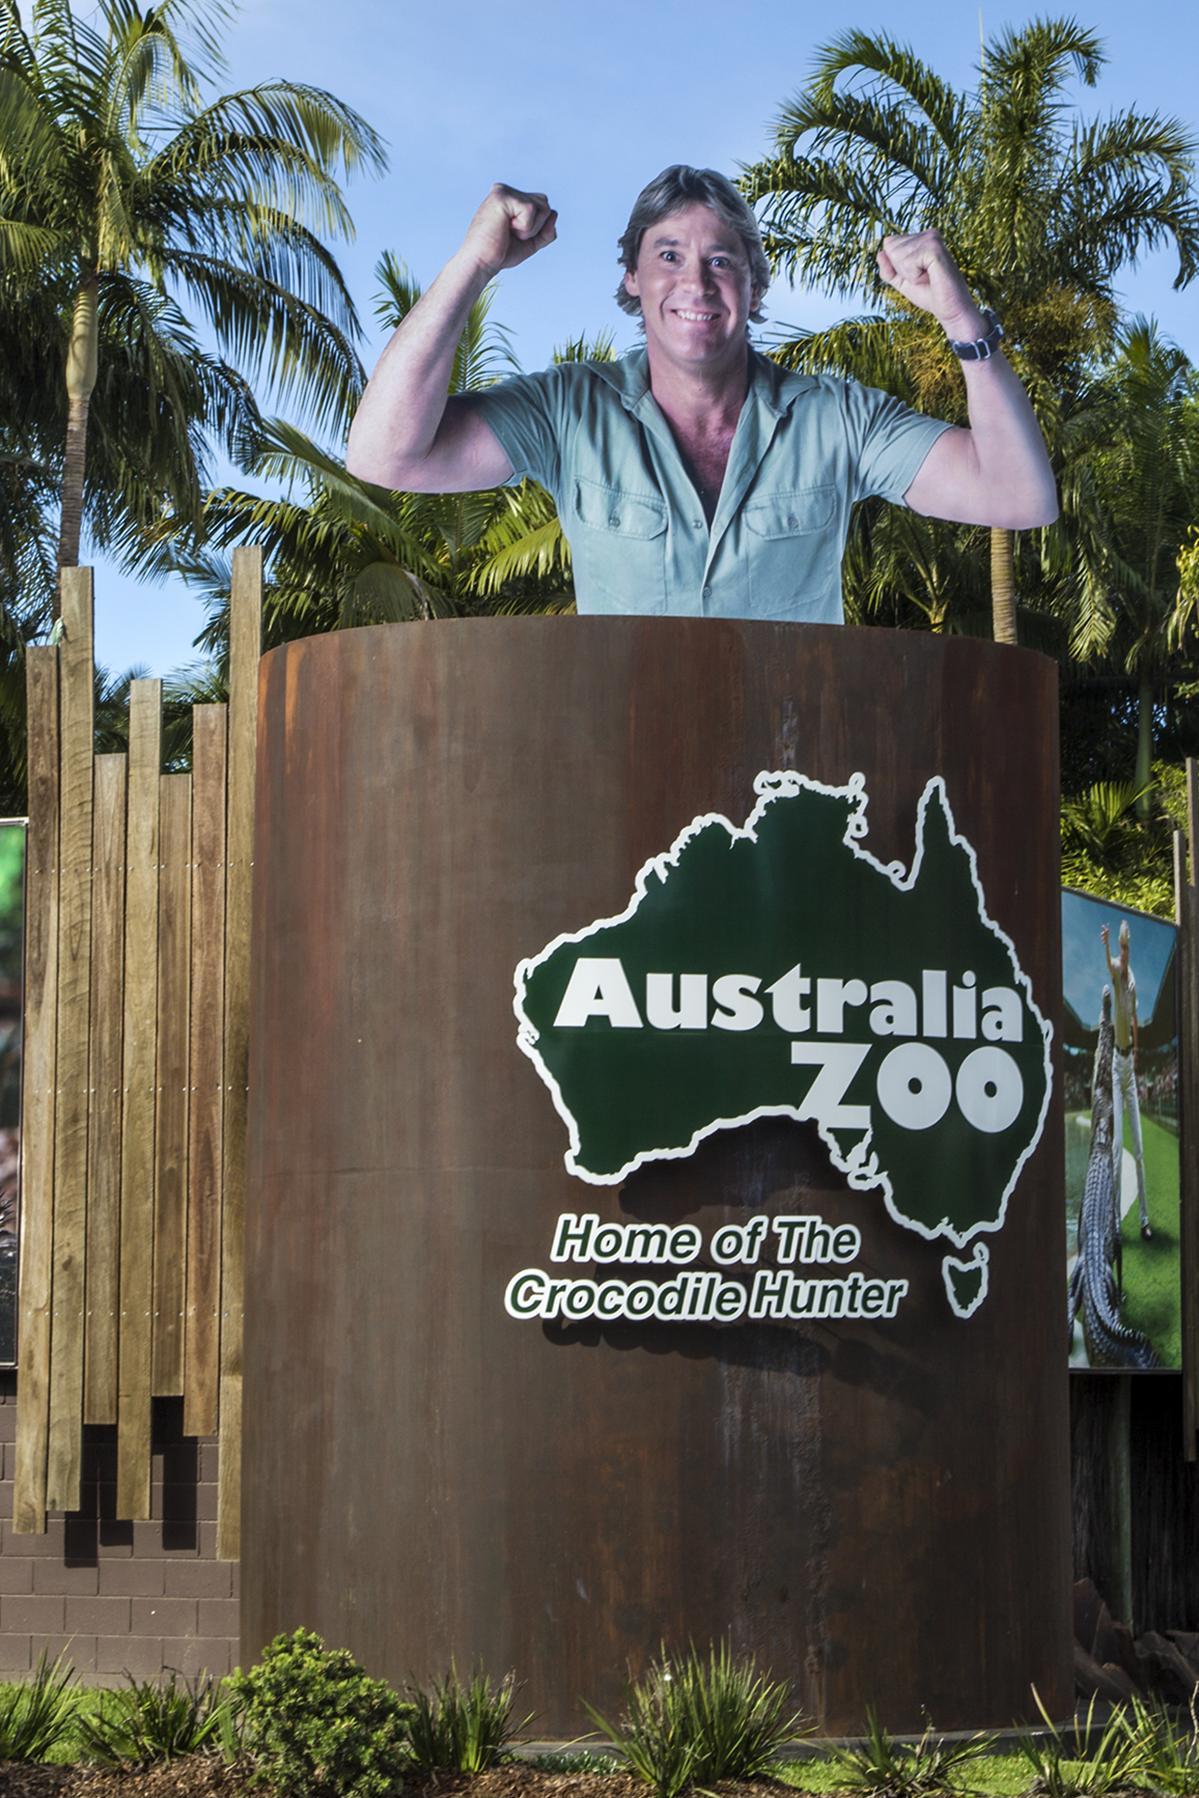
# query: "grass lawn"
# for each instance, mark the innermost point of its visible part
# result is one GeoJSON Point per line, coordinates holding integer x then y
{"type": "Point", "coordinates": [1152, 1296]}
{"type": "Point", "coordinates": [998, 1775]}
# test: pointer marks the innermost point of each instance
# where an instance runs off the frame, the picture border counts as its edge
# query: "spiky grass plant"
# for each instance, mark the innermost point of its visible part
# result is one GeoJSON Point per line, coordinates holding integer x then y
{"type": "Point", "coordinates": [1085, 1761]}
{"type": "Point", "coordinates": [696, 1718]}
{"type": "Point", "coordinates": [36, 1715]}
{"type": "Point", "coordinates": [149, 1722]}
{"type": "Point", "coordinates": [889, 1769]}
{"type": "Point", "coordinates": [1170, 1754]}
{"type": "Point", "coordinates": [462, 1726]}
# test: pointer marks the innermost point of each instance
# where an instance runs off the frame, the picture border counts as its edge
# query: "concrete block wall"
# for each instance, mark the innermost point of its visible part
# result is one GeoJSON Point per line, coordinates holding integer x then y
{"type": "Point", "coordinates": [120, 1597]}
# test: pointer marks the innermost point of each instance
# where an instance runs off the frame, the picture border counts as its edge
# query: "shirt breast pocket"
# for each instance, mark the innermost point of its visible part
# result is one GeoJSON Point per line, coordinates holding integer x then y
{"type": "Point", "coordinates": [793, 554]}
{"type": "Point", "coordinates": [618, 548]}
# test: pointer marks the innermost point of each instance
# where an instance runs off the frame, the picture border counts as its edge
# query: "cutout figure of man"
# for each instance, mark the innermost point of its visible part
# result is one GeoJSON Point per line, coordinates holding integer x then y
{"type": "Point", "coordinates": [1124, 1068]}
{"type": "Point", "coordinates": [695, 477]}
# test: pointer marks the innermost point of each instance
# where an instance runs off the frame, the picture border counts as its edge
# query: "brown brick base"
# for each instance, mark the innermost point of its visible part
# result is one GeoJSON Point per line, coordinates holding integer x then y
{"type": "Point", "coordinates": [120, 1598]}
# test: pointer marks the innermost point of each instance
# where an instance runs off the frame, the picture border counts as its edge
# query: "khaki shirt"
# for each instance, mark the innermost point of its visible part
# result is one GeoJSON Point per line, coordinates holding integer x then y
{"type": "Point", "coordinates": [805, 449]}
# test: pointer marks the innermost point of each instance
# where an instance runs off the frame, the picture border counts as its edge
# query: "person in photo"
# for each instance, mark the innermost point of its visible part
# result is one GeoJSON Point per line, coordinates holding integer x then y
{"type": "Point", "coordinates": [694, 477]}
{"type": "Point", "coordinates": [1124, 1067]}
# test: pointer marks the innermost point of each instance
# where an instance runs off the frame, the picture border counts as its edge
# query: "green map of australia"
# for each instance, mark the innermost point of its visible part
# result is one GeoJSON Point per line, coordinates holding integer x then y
{"type": "Point", "coordinates": [777, 968]}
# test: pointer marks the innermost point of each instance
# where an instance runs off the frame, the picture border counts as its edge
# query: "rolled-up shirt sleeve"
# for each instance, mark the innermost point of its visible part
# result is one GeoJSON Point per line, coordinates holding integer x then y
{"type": "Point", "coordinates": [525, 414]}
{"type": "Point", "coordinates": [888, 441]}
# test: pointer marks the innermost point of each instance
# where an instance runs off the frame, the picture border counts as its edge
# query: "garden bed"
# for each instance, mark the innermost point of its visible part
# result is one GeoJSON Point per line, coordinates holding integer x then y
{"type": "Point", "coordinates": [207, 1776]}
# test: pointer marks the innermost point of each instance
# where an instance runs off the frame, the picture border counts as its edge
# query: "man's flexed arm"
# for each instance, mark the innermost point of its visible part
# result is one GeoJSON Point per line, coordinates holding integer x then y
{"type": "Point", "coordinates": [405, 433]}
{"type": "Point", "coordinates": [1105, 939]}
{"type": "Point", "coordinates": [997, 472]}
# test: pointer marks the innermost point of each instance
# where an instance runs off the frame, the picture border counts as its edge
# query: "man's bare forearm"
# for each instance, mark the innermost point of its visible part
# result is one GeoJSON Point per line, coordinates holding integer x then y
{"type": "Point", "coordinates": [400, 413]}
{"type": "Point", "coordinates": [406, 434]}
{"type": "Point", "coordinates": [997, 472]}
{"type": "Point", "coordinates": [1006, 438]}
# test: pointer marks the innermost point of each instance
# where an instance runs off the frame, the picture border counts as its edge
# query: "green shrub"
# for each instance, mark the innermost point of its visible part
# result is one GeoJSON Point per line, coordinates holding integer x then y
{"type": "Point", "coordinates": [700, 1718]}
{"type": "Point", "coordinates": [316, 1725]}
{"type": "Point", "coordinates": [37, 1714]}
{"type": "Point", "coordinates": [462, 1727]}
{"type": "Point", "coordinates": [890, 1769]}
{"type": "Point", "coordinates": [152, 1722]}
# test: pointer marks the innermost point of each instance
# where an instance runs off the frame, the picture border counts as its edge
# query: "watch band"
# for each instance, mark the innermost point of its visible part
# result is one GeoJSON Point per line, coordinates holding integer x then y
{"type": "Point", "coordinates": [980, 349]}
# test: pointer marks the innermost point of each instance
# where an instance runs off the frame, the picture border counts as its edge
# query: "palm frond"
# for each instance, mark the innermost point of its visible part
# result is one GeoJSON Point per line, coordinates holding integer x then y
{"type": "Point", "coordinates": [600, 348]}
{"type": "Point", "coordinates": [271, 331]}
{"type": "Point", "coordinates": [895, 64]}
{"type": "Point", "coordinates": [399, 290]}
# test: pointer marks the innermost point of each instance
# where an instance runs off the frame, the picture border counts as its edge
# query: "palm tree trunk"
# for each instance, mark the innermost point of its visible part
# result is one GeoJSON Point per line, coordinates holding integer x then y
{"type": "Point", "coordinates": [1003, 586]}
{"type": "Point", "coordinates": [82, 358]}
{"type": "Point", "coordinates": [1144, 769]}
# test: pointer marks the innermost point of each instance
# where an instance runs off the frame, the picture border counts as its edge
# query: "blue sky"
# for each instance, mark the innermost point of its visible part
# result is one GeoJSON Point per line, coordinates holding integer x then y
{"type": "Point", "coordinates": [587, 103]}
{"type": "Point", "coordinates": [1084, 971]}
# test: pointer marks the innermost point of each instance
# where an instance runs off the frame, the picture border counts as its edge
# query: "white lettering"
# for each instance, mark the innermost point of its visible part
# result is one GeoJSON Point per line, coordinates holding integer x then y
{"type": "Point", "coordinates": [739, 1242]}
{"type": "Point", "coordinates": [965, 1008]}
{"type": "Point", "coordinates": [777, 1293]}
{"type": "Point", "coordinates": [597, 988]}
{"type": "Point", "coordinates": [1003, 1015]}
{"type": "Point", "coordinates": [786, 996]}
{"type": "Point", "coordinates": [989, 1089]}
{"type": "Point", "coordinates": [586, 1239]}
{"type": "Point", "coordinates": [740, 1011]}
{"type": "Point", "coordinates": [914, 1087]}
{"type": "Point", "coordinates": [837, 1063]}
{"type": "Point", "coordinates": [691, 1012]}
{"type": "Point", "coordinates": [523, 1295]}
{"type": "Point", "coordinates": [832, 996]}
{"type": "Point", "coordinates": [573, 1236]}
{"type": "Point", "coordinates": [811, 1239]}
{"type": "Point", "coordinates": [893, 1012]}
{"type": "Point", "coordinates": [932, 987]}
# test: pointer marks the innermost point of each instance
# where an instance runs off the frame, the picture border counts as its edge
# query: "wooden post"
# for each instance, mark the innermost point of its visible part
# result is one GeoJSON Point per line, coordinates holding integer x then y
{"type": "Point", "coordinates": [37, 1107]}
{"type": "Point", "coordinates": [170, 1130]}
{"type": "Point", "coordinates": [105, 1079]}
{"type": "Point", "coordinates": [201, 1386]}
{"type": "Point", "coordinates": [76, 749]}
{"type": "Point", "coordinates": [137, 1129]}
{"type": "Point", "coordinates": [245, 639]}
{"type": "Point", "coordinates": [136, 1055]}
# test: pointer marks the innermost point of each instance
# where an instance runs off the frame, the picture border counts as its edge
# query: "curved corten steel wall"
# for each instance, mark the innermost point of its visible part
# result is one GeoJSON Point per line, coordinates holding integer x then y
{"type": "Point", "coordinates": [879, 1509]}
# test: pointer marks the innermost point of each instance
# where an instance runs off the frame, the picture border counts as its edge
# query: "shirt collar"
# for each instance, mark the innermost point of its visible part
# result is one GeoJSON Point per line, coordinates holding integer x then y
{"type": "Point", "coordinates": [773, 387]}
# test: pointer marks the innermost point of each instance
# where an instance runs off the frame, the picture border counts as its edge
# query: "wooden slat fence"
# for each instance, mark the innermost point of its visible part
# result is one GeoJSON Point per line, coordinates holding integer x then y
{"type": "Point", "coordinates": [134, 1109]}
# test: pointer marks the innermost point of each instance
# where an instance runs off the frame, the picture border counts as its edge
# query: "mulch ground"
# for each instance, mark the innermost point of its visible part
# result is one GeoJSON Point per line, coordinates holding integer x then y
{"type": "Point", "coordinates": [202, 1776]}
{"type": "Point", "coordinates": [194, 1776]}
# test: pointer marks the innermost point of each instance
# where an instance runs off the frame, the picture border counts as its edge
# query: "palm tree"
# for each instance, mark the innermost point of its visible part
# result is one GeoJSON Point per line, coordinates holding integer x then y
{"type": "Point", "coordinates": [1039, 209]}
{"type": "Point", "coordinates": [123, 193]}
{"type": "Point", "coordinates": [1137, 480]}
{"type": "Point", "coordinates": [341, 552]}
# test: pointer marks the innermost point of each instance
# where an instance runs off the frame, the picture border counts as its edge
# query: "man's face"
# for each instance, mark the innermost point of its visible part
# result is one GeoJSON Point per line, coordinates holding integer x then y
{"type": "Point", "coordinates": [692, 278]}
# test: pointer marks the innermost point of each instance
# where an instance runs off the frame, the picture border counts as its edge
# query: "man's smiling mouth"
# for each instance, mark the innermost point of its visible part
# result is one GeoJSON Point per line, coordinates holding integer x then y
{"type": "Point", "coordinates": [698, 318]}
